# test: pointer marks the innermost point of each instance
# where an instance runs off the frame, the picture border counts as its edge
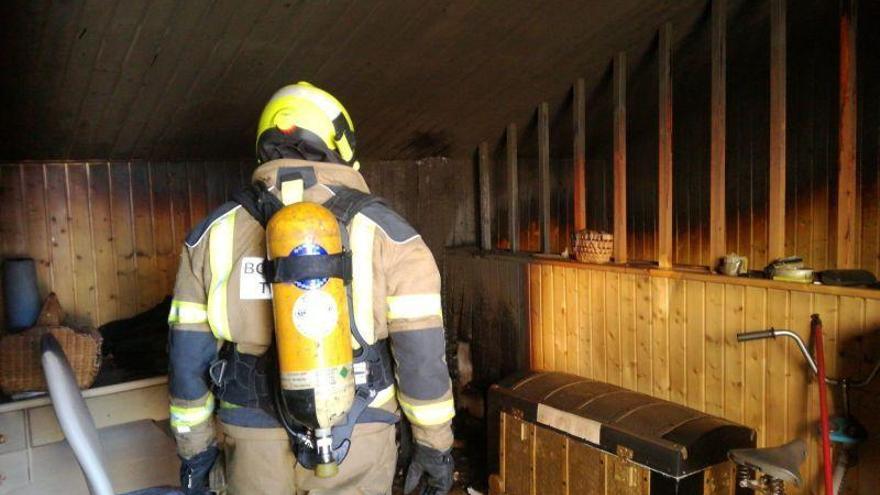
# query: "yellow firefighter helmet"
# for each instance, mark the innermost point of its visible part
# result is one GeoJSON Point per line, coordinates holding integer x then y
{"type": "Point", "coordinates": [308, 116]}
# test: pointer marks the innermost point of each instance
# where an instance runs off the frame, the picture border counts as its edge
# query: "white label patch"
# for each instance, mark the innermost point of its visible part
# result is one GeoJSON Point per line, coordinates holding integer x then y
{"type": "Point", "coordinates": [315, 314]}
{"type": "Point", "coordinates": [570, 423]}
{"type": "Point", "coordinates": [252, 281]}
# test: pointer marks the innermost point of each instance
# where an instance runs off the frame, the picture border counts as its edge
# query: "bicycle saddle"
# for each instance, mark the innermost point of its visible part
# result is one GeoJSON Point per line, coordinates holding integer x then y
{"type": "Point", "coordinates": [782, 462]}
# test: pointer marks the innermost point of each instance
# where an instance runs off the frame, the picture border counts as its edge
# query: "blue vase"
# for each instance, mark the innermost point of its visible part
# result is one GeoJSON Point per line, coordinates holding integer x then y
{"type": "Point", "coordinates": [20, 295]}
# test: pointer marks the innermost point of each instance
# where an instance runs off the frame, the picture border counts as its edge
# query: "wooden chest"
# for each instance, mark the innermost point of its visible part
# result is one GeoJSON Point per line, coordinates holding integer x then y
{"type": "Point", "coordinates": [560, 434]}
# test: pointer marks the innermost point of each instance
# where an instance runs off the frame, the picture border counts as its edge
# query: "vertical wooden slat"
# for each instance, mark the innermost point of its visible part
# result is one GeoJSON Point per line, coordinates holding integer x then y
{"type": "Point", "coordinates": [180, 211]}
{"type": "Point", "coordinates": [717, 153]}
{"type": "Point", "coordinates": [197, 192]}
{"type": "Point", "coordinates": [512, 189]}
{"type": "Point", "coordinates": [214, 191]}
{"type": "Point", "coordinates": [777, 359]}
{"type": "Point", "coordinates": [664, 161]}
{"type": "Point", "coordinates": [573, 297]}
{"type": "Point", "coordinates": [37, 223]}
{"type": "Point", "coordinates": [535, 313]}
{"type": "Point", "coordinates": [628, 331]}
{"type": "Point", "coordinates": [714, 349]}
{"type": "Point", "coordinates": [163, 229]}
{"type": "Point", "coordinates": [485, 197]}
{"type": "Point", "coordinates": [102, 240]}
{"type": "Point", "coordinates": [678, 332]}
{"type": "Point", "coordinates": [584, 320]}
{"type": "Point", "coordinates": [598, 301]}
{"type": "Point", "coordinates": [59, 235]}
{"type": "Point", "coordinates": [13, 234]}
{"type": "Point", "coordinates": [734, 302]}
{"type": "Point", "coordinates": [695, 301]}
{"type": "Point", "coordinates": [518, 304]}
{"type": "Point", "coordinates": [548, 315]}
{"type": "Point", "coordinates": [778, 122]}
{"type": "Point", "coordinates": [232, 179]}
{"type": "Point", "coordinates": [121, 211]}
{"type": "Point", "coordinates": [660, 337]}
{"type": "Point", "coordinates": [644, 332]}
{"type": "Point", "coordinates": [579, 175]}
{"type": "Point", "coordinates": [544, 175]}
{"type": "Point", "coordinates": [612, 327]}
{"type": "Point", "coordinates": [148, 279]}
{"type": "Point", "coordinates": [847, 140]}
{"type": "Point", "coordinates": [755, 361]}
{"type": "Point", "coordinates": [81, 233]}
{"type": "Point", "coordinates": [620, 233]}
{"type": "Point", "coordinates": [560, 327]}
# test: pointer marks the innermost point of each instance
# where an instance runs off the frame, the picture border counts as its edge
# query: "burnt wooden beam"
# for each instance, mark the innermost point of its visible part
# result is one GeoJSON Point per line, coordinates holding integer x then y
{"type": "Point", "coordinates": [619, 96]}
{"type": "Point", "coordinates": [846, 158]}
{"type": "Point", "coordinates": [664, 160]}
{"type": "Point", "coordinates": [776, 220]}
{"type": "Point", "coordinates": [579, 160]}
{"type": "Point", "coordinates": [485, 197]}
{"type": "Point", "coordinates": [512, 189]}
{"type": "Point", "coordinates": [544, 174]}
{"type": "Point", "coordinates": [718, 109]}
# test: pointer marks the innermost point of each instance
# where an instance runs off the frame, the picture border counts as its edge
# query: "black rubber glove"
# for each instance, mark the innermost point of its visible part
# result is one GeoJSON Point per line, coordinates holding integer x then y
{"type": "Point", "coordinates": [194, 471]}
{"type": "Point", "coordinates": [436, 465]}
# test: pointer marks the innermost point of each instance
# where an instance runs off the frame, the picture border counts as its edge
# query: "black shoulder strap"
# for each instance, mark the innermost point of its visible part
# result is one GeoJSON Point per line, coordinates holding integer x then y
{"type": "Point", "coordinates": [258, 201]}
{"type": "Point", "coordinates": [347, 202]}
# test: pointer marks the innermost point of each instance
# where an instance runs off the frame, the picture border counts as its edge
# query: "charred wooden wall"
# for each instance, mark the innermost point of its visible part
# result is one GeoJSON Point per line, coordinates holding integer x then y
{"type": "Point", "coordinates": [436, 195]}
{"type": "Point", "coordinates": [485, 306]}
{"type": "Point", "coordinates": [106, 236]}
{"type": "Point", "coordinates": [811, 152]}
{"type": "Point", "coordinates": [672, 335]}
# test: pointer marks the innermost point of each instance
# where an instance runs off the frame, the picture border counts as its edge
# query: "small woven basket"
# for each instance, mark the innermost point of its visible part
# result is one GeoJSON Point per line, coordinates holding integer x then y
{"type": "Point", "coordinates": [20, 365]}
{"type": "Point", "coordinates": [591, 246]}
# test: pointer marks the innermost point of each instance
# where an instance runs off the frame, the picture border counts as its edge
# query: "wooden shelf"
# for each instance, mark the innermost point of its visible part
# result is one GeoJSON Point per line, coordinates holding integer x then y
{"type": "Point", "coordinates": [681, 273]}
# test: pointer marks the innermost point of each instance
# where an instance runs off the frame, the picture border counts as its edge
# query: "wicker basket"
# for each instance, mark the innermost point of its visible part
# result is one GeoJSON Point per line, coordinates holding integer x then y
{"type": "Point", "coordinates": [20, 366]}
{"type": "Point", "coordinates": [590, 246]}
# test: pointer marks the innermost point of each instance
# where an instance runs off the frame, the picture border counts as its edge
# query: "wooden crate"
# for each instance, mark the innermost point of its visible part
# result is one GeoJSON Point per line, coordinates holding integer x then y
{"type": "Point", "coordinates": [549, 442]}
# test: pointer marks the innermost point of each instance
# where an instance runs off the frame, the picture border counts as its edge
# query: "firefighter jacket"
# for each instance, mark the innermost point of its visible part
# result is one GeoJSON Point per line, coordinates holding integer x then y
{"type": "Point", "coordinates": [221, 295]}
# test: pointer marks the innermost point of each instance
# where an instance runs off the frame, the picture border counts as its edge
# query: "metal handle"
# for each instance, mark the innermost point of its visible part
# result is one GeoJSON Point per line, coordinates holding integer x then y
{"type": "Point", "coordinates": [802, 346]}
{"type": "Point", "coordinates": [761, 334]}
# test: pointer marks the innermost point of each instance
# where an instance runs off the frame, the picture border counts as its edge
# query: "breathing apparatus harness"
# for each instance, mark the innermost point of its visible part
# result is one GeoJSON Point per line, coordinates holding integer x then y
{"type": "Point", "coordinates": [252, 381]}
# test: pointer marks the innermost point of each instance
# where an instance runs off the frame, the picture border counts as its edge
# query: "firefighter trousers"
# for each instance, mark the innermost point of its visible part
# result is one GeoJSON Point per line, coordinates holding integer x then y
{"type": "Point", "coordinates": [259, 461]}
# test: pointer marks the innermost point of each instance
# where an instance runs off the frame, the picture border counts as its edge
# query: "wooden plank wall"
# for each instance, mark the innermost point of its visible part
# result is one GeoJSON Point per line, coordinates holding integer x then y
{"type": "Point", "coordinates": [106, 236]}
{"type": "Point", "coordinates": [673, 336]}
{"type": "Point", "coordinates": [435, 195]}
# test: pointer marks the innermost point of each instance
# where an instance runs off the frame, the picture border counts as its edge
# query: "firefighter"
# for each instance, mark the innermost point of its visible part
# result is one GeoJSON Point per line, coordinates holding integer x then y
{"type": "Point", "coordinates": [221, 321]}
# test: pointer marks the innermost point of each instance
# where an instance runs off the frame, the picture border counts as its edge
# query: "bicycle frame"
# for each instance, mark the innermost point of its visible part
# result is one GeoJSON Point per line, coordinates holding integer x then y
{"type": "Point", "coordinates": [845, 385]}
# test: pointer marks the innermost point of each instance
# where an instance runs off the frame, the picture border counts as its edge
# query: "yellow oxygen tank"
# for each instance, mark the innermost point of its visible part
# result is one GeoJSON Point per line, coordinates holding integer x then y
{"type": "Point", "coordinates": [312, 329]}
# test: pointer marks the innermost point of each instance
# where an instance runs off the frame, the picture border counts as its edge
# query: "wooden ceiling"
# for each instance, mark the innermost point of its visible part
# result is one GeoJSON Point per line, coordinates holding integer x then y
{"type": "Point", "coordinates": [167, 79]}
